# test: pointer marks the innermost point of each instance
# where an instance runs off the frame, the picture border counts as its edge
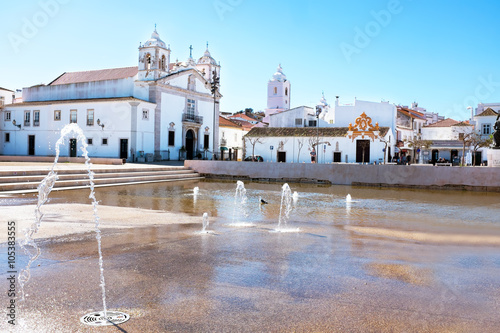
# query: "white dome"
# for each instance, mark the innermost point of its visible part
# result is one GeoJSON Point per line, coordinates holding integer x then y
{"type": "Point", "coordinates": [155, 41]}
{"type": "Point", "coordinates": [207, 59]}
{"type": "Point", "coordinates": [279, 76]}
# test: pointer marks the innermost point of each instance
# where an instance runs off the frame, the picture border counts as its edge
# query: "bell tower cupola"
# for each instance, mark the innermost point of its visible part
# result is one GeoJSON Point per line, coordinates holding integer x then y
{"type": "Point", "coordinates": [154, 58]}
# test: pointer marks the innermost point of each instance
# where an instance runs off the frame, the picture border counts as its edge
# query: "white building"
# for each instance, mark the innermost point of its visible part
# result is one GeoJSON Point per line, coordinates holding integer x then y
{"type": "Point", "coordinates": [409, 124]}
{"type": "Point", "coordinates": [157, 108]}
{"type": "Point", "coordinates": [481, 107]}
{"type": "Point", "coordinates": [332, 144]}
{"type": "Point", "coordinates": [446, 140]}
{"type": "Point", "coordinates": [6, 97]}
{"type": "Point", "coordinates": [231, 134]}
{"type": "Point", "coordinates": [485, 122]}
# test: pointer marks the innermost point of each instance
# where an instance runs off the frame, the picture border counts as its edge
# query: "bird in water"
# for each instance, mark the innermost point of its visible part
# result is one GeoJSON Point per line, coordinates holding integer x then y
{"type": "Point", "coordinates": [262, 201]}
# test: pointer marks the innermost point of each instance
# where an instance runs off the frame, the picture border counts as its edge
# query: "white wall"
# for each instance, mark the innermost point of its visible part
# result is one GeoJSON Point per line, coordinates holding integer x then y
{"type": "Point", "coordinates": [84, 90]}
{"type": "Point", "coordinates": [444, 133]}
{"type": "Point", "coordinates": [295, 155]}
{"type": "Point", "coordinates": [115, 115]}
{"type": "Point", "coordinates": [383, 113]}
{"type": "Point", "coordinates": [287, 118]}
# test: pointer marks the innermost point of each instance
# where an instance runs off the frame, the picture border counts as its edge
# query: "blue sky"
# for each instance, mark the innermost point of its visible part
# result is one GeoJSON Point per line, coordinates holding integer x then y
{"type": "Point", "coordinates": [442, 54]}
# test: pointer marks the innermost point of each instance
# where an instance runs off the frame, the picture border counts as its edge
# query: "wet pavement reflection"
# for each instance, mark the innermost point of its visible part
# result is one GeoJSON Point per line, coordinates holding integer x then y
{"type": "Point", "coordinates": [333, 275]}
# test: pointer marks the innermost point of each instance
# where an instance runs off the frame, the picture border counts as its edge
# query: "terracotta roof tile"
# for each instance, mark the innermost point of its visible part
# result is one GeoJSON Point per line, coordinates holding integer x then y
{"type": "Point", "coordinates": [444, 123]}
{"type": "Point", "coordinates": [487, 112]}
{"type": "Point", "coordinates": [97, 75]}
{"type": "Point", "coordinates": [411, 113]}
{"type": "Point", "coordinates": [242, 116]}
{"type": "Point", "coordinates": [463, 123]}
{"type": "Point", "coordinates": [228, 123]}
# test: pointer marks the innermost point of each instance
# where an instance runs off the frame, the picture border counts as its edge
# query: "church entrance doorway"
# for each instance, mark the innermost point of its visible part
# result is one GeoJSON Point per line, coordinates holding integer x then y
{"type": "Point", "coordinates": [189, 144]}
{"type": "Point", "coordinates": [362, 151]}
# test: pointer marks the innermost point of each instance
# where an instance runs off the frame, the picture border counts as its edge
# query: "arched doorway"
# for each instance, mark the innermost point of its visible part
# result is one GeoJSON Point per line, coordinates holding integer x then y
{"type": "Point", "coordinates": [189, 144]}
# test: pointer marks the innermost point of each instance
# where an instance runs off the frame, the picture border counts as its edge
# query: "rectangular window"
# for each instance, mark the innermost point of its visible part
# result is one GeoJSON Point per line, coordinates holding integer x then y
{"type": "Point", "coordinates": [72, 117]}
{"type": "Point", "coordinates": [7, 137]}
{"type": "Point", "coordinates": [298, 121]}
{"type": "Point", "coordinates": [145, 114]}
{"type": "Point", "coordinates": [206, 141]}
{"type": "Point", "coordinates": [486, 129]}
{"type": "Point", "coordinates": [171, 138]}
{"type": "Point", "coordinates": [57, 115]}
{"type": "Point", "coordinates": [191, 106]}
{"type": "Point", "coordinates": [27, 118]}
{"type": "Point", "coordinates": [105, 141]}
{"type": "Point", "coordinates": [90, 142]}
{"type": "Point", "coordinates": [36, 118]}
{"type": "Point", "coordinates": [312, 123]}
{"type": "Point", "coordinates": [90, 117]}
{"type": "Point", "coordinates": [7, 116]}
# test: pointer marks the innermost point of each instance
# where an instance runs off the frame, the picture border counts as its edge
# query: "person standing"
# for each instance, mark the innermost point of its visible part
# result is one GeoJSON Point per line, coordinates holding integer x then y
{"type": "Point", "coordinates": [313, 155]}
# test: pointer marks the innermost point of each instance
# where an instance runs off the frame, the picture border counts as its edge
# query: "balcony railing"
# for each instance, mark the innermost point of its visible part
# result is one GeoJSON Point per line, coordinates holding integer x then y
{"type": "Point", "coordinates": [192, 118]}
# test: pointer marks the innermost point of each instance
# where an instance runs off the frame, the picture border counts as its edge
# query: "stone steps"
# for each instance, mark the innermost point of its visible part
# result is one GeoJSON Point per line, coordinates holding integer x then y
{"type": "Point", "coordinates": [27, 181]}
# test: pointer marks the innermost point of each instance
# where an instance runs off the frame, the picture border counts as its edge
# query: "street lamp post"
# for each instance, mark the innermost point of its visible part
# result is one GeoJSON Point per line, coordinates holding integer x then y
{"type": "Point", "coordinates": [318, 111]}
{"type": "Point", "coordinates": [214, 88]}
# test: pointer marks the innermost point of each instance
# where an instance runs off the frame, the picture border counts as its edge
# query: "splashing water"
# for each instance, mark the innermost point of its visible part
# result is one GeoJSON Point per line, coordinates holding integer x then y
{"type": "Point", "coordinates": [348, 198]}
{"type": "Point", "coordinates": [295, 197]}
{"type": "Point", "coordinates": [44, 190]}
{"type": "Point", "coordinates": [205, 223]}
{"type": "Point", "coordinates": [240, 201]}
{"type": "Point", "coordinates": [286, 206]}
{"type": "Point", "coordinates": [196, 190]}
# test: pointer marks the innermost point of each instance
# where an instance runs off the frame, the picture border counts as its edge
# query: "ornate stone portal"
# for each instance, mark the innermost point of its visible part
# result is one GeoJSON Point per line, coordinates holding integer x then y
{"type": "Point", "coordinates": [363, 129]}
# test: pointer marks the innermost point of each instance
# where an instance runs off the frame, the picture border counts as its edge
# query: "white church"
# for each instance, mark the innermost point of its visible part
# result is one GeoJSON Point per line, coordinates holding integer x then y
{"type": "Point", "coordinates": [361, 132]}
{"type": "Point", "coordinates": [156, 110]}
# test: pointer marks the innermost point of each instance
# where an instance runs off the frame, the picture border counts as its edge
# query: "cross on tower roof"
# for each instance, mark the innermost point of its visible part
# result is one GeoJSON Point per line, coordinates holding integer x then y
{"type": "Point", "coordinates": [190, 51]}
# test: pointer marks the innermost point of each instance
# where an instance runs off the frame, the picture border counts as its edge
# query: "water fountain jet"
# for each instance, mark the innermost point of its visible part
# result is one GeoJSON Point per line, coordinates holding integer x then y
{"type": "Point", "coordinates": [285, 209]}
{"type": "Point", "coordinates": [240, 202]}
{"type": "Point", "coordinates": [104, 317]}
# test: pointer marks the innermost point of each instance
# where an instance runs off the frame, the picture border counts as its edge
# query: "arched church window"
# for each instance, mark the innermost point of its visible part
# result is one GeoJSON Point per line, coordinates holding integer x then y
{"type": "Point", "coordinates": [286, 91]}
{"type": "Point", "coordinates": [191, 82]}
{"type": "Point", "coordinates": [148, 61]}
{"type": "Point", "coordinates": [163, 61]}
{"type": "Point", "coordinates": [275, 90]}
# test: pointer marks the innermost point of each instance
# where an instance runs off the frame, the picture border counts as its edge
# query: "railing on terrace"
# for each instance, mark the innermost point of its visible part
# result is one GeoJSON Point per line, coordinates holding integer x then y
{"type": "Point", "coordinates": [192, 118]}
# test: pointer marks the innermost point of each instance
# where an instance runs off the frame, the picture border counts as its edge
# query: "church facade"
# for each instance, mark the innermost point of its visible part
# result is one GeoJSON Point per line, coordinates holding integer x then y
{"type": "Point", "coordinates": [156, 110]}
